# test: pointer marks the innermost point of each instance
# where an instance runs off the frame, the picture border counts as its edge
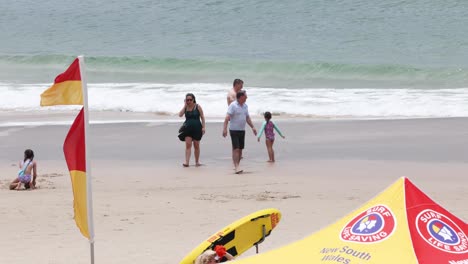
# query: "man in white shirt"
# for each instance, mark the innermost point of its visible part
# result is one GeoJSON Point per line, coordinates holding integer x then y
{"type": "Point", "coordinates": [237, 116]}
{"type": "Point", "coordinates": [237, 85]}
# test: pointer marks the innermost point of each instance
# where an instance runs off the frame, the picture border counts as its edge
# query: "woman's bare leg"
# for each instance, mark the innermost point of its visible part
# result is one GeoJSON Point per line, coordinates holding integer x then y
{"type": "Point", "coordinates": [188, 150]}
{"type": "Point", "coordinates": [196, 152]}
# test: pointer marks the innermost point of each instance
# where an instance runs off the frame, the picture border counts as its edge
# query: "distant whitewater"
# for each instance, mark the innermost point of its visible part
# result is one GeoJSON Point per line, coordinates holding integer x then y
{"type": "Point", "coordinates": [324, 90]}
{"type": "Point", "coordinates": [303, 102]}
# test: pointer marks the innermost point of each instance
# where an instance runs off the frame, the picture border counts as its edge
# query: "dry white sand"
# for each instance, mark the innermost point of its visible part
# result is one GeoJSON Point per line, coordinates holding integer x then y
{"type": "Point", "coordinates": [148, 209]}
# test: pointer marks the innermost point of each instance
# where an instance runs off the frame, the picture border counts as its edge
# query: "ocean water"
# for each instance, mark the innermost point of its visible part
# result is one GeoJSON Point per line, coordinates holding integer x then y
{"type": "Point", "coordinates": [333, 59]}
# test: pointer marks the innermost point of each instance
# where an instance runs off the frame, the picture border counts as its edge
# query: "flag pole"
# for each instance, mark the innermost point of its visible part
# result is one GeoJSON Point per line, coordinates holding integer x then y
{"type": "Point", "coordinates": [89, 194]}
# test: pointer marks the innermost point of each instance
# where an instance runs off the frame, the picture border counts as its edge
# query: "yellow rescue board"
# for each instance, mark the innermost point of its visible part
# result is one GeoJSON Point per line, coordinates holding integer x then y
{"type": "Point", "coordinates": [241, 235]}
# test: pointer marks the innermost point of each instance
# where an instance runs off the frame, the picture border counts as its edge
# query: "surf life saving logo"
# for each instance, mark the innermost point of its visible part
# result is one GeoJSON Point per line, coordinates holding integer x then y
{"type": "Point", "coordinates": [371, 226]}
{"type": "Point", "coordinates": [441, 232]}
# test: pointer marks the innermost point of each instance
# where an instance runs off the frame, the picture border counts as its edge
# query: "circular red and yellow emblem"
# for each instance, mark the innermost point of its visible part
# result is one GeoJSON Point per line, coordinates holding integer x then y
{"type": "Point", "coordinates": [441, 232]}
{"type": "Point", "coordinates": [373, 225]}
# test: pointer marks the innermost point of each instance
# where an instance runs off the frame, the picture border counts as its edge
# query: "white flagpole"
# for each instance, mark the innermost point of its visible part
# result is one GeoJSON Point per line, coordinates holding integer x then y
{"type": "Point", "coordinates": [89, 193]}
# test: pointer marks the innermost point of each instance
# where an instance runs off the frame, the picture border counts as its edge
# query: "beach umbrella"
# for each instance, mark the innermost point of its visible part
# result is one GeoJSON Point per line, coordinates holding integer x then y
{"type": "Point", "coordinates": [401, 225]}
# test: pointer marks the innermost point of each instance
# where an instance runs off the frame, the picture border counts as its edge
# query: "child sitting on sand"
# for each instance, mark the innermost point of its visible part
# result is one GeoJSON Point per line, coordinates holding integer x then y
{"type": "Point", "coordinates": [268, 126]}
{"type": "Point", "coordinates": [27, 167]}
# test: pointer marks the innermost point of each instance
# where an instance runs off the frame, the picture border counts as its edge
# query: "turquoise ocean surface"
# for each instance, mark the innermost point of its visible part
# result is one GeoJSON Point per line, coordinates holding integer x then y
{"type": "Point", "coordinates": [312, 58]}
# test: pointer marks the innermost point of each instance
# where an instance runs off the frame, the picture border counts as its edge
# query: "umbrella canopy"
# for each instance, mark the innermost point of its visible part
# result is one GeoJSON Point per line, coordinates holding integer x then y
{"type": "Point", "coordinates": [400, 225]}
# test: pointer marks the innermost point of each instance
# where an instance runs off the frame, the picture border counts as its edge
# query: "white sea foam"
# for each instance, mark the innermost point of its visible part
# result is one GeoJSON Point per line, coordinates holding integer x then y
{"type": "Point", "coordinates": [69, 122]}
{"type": "Point", "coordinates": [323, 102]}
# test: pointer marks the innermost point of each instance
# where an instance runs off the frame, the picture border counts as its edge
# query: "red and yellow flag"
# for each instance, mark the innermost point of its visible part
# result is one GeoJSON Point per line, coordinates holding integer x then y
{"type": "Point", "coordinates": [66, 89]}
{"type": "Point", "coordinates": [74, 149]}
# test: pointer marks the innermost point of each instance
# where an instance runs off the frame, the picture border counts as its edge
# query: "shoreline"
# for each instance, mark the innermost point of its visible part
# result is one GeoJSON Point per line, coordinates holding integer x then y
{"type": "Point", "coordinates": [55, 117]}
{"type": "Point", "coordinates": [430, 140]}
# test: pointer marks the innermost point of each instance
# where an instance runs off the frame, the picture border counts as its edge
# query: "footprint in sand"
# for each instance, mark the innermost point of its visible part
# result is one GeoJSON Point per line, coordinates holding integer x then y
{"type": "Point", "coordinates": [262, 196]}
{"type": "Point", "coordinates": [52, 175]}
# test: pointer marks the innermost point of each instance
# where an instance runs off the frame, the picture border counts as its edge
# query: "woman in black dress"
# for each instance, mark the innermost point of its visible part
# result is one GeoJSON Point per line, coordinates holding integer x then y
{"type": "Point", "coordinates": [194, 128]}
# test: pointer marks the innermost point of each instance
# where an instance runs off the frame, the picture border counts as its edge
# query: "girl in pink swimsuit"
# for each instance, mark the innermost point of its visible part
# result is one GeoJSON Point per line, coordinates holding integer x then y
{"type": "Point", "coordinates": [27, 173]}
{"type": "Point", "coordinates": [268, 126]}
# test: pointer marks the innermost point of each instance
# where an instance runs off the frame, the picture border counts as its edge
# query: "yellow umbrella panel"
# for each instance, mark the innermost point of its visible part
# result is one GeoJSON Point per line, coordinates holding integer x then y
{"type": "Point", "coordinates": [400, 225]}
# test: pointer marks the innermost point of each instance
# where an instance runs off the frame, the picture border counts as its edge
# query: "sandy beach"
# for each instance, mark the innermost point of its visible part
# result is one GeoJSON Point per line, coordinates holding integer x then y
{"type": "Point", "coordinates": [149, 209]}
{"type": "Point", "coordinates": [366, 92]}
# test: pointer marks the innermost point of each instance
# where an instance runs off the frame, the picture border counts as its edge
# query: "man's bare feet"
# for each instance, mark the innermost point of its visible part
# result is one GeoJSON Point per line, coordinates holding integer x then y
{"type": "Point", "coordinates": [239, 171]}
{"type": "Point", "coordinates": [185, 165]}
{"type": "Point", "coordinates": [198, 164]}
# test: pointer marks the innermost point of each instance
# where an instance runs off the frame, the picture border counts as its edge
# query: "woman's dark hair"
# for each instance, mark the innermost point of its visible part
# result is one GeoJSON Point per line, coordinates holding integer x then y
{"type": "Point", "coordinates": [28, 154]}
{"type": "Point", "coordinates": [191, 95]}
{"type": "Point", "coordinates": [267, 115]}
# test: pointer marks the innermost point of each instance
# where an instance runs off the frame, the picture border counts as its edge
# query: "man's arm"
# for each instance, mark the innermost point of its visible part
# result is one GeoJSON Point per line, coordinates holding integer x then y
{"type": "Point", "coordinates": [226, 121]}
{"type": "Point", "coordinates": [261, 130]}
{"type": "Point", "coordinates": [249, 121]}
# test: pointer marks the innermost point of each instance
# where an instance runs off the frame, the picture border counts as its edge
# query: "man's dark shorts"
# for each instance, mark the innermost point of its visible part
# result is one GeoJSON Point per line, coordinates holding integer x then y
{"type": "Point", "coordinates": [237, 138]}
